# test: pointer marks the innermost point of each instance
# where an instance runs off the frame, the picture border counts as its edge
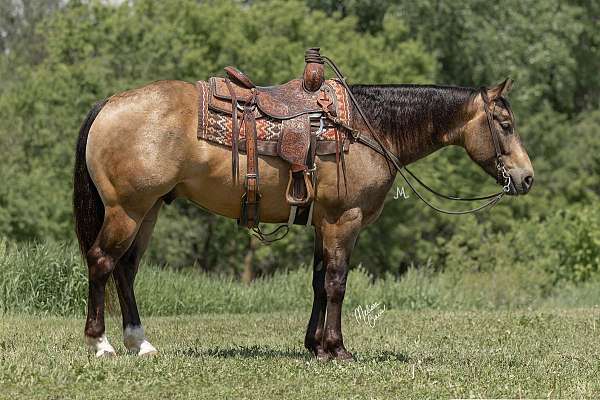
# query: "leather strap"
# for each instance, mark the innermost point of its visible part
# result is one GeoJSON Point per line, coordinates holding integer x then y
{"type": "Point", "coordinates": [323, 147]}
{"type": "Point", "coordinates": [235, 134]}
{"type": "Point", "coordinates": [489, 116]}
{"type": "Point", "coordinates": [393, 160]}
{"type": "Point", "coordinates": [501, 174]}
{"type": "Point", "coordinates": [252, 196]}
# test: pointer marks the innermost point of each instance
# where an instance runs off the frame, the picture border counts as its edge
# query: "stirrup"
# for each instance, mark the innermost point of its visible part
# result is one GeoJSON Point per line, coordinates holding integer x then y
{"type": "Point", "coordinates": [310, 193]}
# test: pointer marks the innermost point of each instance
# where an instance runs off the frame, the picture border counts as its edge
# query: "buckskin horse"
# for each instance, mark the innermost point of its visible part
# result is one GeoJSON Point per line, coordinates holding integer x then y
{"type": "Point", "coordinates": [141, 148]}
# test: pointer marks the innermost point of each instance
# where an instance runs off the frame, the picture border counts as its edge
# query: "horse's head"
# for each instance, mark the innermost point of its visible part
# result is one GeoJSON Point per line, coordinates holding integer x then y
{"type": "Point", "coordinates": [492, 141]}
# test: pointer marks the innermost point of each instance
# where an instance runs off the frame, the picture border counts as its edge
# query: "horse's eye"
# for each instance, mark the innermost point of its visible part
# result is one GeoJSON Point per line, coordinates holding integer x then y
{"type": "Point", "coordinates": [505, 126]}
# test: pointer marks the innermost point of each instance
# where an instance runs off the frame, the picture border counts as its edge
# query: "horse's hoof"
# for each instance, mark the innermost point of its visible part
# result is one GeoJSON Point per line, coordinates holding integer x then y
{"type": "Point", "coordinates": [143, 350]}
{"type": "Point", "coordinates": [147, 350]}
{"type": "Point", "coordinates": [104, 353]}
{"type": "Point", "coordinates": [135, 341]}
{"type": "Point", "coordinates": [344, 355]}
{"type": "Point", "coordinates": [100, 346]}
{"type": "Point", "coordinates": [323, 356]}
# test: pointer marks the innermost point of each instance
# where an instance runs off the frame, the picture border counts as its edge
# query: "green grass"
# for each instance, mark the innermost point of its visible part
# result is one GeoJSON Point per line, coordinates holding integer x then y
{"type": "Point", "coordinates": [408, 354]}
{"type": "Point", "coordinates": [498, 333]}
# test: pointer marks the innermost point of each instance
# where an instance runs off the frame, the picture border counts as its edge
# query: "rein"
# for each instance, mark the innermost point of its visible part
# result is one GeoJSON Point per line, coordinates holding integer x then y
{"type": "Point", "coordinates": [376, 144]}
{"type": "Point", "coordinates": [502, 176]}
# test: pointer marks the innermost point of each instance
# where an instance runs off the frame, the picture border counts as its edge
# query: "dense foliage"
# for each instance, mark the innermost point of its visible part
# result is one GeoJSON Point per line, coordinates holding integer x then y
{"type": "Point", "coordinates": [57, 58]}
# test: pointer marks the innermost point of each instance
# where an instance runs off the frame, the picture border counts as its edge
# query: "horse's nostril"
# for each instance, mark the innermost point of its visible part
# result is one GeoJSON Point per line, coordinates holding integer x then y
{"type": "Point", "coordinates": [528, 182]}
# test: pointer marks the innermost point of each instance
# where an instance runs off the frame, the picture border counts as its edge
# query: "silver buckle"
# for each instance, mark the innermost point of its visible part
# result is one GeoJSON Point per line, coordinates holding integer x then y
{"type": "Point", "coordinates": [321, 127]}
{"type": "Point", "coordinates": [507, 179]}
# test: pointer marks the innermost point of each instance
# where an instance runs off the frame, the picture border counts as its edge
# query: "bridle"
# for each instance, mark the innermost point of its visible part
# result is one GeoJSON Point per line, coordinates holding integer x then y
{"type": "Point", "coordinates": [375, 143]}
{"type": "Point", "coordinates": [502, 176]}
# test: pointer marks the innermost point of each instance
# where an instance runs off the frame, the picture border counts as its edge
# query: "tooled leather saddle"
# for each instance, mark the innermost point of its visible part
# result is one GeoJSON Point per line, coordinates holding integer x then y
{"type": "Point", "coordinates": [289, 121]}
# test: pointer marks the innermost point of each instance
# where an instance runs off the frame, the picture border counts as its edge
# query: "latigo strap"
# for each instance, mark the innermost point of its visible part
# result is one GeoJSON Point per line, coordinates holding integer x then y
{"type": "Point", "coordinates": [250, 215]}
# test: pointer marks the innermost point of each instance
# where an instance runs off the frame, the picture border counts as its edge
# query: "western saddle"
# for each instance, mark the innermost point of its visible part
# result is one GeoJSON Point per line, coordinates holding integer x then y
{"type": "Point", "coordinates": [301, 106]}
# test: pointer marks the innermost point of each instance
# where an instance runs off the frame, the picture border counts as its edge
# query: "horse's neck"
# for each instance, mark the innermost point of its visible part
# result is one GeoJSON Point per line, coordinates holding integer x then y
{"type": "Point", "coordinates": [416, 144]}
{"type": "Point", "coordinates": [422, 144]}
{"type": "Point", "coordinates": [415, 120]}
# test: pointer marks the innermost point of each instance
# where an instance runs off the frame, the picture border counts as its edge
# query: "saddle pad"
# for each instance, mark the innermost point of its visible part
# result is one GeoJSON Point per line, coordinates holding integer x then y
{"type": "Point", "coordinates": [217, 126]}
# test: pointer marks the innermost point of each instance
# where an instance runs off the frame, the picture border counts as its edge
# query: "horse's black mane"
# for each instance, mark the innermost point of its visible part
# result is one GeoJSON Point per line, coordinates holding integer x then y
{"type": "Point", "coordinates": [405, 113]}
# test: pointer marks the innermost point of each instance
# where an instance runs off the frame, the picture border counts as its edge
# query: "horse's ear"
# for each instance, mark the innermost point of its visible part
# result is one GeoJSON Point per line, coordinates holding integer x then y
{"type": "Point", "coordinates": [500, 90]}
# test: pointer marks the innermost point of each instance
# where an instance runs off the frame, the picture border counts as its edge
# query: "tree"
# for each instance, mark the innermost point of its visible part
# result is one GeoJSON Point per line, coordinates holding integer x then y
{"type": "Point", "coordinates": [92, 50]}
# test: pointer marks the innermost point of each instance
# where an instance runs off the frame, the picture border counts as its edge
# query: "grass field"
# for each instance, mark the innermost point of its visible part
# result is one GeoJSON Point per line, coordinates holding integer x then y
{"type": "Point", "coordinates": [500, 333]}
{"type": "Point", "coordinates": [408, 354]}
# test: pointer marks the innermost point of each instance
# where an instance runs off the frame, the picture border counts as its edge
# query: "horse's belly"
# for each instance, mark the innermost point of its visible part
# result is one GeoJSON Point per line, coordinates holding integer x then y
{"type": "Point", "coordinates": [209, 183]}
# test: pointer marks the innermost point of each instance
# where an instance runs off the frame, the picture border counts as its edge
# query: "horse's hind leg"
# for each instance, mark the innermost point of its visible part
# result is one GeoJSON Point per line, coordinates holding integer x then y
{"type": "Point", "coordinates": [118, 231]}
{"type": "Point", "coordinates": [124, 274]}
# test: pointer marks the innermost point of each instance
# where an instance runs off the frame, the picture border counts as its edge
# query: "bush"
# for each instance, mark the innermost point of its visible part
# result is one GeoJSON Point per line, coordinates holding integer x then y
{"type": "Point", "coordinates": [564, 247]}
{"type": "Point", "coordinates": [42, 278]}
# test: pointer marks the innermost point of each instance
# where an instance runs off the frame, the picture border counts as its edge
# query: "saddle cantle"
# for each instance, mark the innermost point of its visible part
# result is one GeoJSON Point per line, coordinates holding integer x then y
{"type": "Point", "coordinates": [239, 77]}
{"type": "Point", "coordinates": [288, 121]}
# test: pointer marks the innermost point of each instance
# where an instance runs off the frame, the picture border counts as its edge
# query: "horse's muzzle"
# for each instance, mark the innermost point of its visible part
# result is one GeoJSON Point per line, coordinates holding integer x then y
{"type": "Point", "coordinates": [527, 183]}
{"type": "Point", "coordinates": [521, 181]}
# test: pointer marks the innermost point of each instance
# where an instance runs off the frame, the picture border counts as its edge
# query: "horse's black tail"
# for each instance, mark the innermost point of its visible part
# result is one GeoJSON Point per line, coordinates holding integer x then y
{"type": "Point", "coordinates": [87, 204]}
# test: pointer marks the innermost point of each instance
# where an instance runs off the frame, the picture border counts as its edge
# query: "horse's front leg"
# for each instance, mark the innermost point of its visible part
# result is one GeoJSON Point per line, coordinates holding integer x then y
{"type": "Point", "coordinates": [314, 332]}
{"type": "Point", "coordinates": [339, 239]}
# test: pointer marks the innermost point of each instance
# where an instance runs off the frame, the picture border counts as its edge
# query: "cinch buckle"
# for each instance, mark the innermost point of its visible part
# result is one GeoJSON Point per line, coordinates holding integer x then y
{"type": "Point", "coordinates": [248, 177]}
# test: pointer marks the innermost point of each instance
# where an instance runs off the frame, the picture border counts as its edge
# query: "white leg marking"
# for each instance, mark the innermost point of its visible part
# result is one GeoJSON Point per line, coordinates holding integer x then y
{"type": "Point", "coordinates": [100, 346]}
{"type": "Point", "coordinates": [135, 341]}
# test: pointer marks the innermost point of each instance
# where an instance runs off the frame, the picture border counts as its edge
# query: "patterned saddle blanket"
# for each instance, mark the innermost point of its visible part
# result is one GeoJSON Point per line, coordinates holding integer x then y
{"type": "Point", "coordinates": [215, 122]}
